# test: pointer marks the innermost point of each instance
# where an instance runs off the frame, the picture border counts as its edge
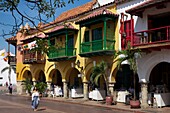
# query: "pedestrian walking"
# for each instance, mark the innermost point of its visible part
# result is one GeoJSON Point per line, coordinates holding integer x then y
{"type": "Point", "coordinates": [6, 84]}
{"type": "Point", "coordinates": [10, 88]}
{"type": "Point", "coordinates": [35, 99]}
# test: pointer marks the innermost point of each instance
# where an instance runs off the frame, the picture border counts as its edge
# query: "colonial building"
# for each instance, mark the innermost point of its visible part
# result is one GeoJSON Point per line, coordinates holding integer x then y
{"type": "Point", "coordinates": [145, 23]}
{"type": "Point", "coordinates": [82, 37]}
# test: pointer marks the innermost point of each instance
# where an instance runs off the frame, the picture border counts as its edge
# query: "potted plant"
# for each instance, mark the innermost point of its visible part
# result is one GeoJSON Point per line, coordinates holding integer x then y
{"type": "Point", "coordinates": [41, 86]}
{"type": "Point", "coordinates": [130, 56]}
{"type": "Point", "coordinates": [100, 70]}
{"type": "Point", "coordinates": [27, 86]}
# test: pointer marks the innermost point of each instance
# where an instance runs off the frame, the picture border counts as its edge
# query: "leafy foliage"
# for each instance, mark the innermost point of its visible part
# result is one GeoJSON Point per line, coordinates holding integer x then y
{"type": "Point", "coordinates": [41, 86]}
{"type": "Point", "coordinates": [45, 10]}
{"type": "Point", "coordinates": [100, 71]}
{"type": "Point", "coordinates": [9, 69]}
{"type": "Point", "coordinates": [27, 85]}
{"type": "Point", "coordinates": [130, 56]}
{"type": "Point", "coordinates": [41, 45]}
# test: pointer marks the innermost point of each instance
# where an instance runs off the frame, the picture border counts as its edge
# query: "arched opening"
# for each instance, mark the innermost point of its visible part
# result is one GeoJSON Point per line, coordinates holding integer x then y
{"type": "Point", "coordinates": [27, 76]}
{"type": "Point", "coordinates": [100, 84]}
{"type": "Point", "coordinates": [41, 77]}
{"type": "Point", "coordinates": [159, 80]}
{"type": "Point", "coordinates": [75, 84]}
{"type": "Point", "coordinates": [124, 78]}
{"type": "Point", "coordinates": [75, 80]}
{"type": "Point", "coordinates": [126, 81]}
{"type": "Point", "coordinates": [57, 78]}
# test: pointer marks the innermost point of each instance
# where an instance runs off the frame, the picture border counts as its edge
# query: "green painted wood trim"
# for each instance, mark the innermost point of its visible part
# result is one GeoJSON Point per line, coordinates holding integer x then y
{"type": "Point", "coordinates": [80, 39]}
{"type": "Point", "coordinates": [49, 41]}
{"type": "Point", "coordinates": [66, 45]}
{"type": "Point", "coordinates": [105, 25]}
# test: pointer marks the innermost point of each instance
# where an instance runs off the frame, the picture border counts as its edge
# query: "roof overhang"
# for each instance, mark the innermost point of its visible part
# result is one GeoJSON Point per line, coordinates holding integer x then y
{"type": "Point", "coordinates": [32, 37]}
{"type": "Point", "coordinates": [139, 9]}
{"type": "Point", "coordinates": [97, 16]}
{"type": "Point", "coordinates": [61, 29]}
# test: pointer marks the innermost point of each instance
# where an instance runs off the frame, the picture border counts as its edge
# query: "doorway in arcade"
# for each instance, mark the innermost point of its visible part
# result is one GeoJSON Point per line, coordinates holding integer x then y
{"type": "Point", "coordinates": [124, 86]}
{"type": "Point", "coordinates": [159, 80]}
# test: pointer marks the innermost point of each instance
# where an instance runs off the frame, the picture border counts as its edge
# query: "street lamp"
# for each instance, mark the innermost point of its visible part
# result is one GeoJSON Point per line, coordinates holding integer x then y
{"type": "Point", "coordinates": [78, 65]}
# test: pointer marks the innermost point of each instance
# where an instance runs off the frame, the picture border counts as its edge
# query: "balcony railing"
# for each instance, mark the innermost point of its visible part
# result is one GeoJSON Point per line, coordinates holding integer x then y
{"type": "Point", "coordinates": [33, 57]}
{"type": "Point", "coordinates": [97, 45]}
{"type": "Point", "coordinates": [61, 52]}
{"type": "Point", "coordinates": [152, 36]}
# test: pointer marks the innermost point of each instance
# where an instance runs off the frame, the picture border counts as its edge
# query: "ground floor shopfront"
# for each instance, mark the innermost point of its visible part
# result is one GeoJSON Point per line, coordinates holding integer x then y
{"type": "Point", "coordinates": [153, 77]}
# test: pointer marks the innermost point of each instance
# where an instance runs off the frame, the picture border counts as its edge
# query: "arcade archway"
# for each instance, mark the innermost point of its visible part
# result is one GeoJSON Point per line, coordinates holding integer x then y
{"type": "Point", "coordinates": [159, 80]}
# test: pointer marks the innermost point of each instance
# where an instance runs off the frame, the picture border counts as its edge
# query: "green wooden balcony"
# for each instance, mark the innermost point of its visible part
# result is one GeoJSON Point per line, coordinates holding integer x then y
{"type": "Point", "coordinates": [89, 48]}
{"type": "Point", "coordinates": [61, 53]}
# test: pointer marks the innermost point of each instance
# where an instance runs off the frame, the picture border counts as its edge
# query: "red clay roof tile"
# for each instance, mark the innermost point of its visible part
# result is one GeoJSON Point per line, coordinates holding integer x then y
{"type": "Point", "coordinates": [75, 11]}
{"type": "Point", "coordinates": [94, 14]}
{"type": "Point", "coordinates": [11, 39]}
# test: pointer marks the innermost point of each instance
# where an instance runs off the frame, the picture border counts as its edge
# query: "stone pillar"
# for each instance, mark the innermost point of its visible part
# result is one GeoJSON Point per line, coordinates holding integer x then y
{"type": "Point", "coordinates": [144, 94]}
{"type": "Point", "coordinates": [34, 83]}
{"type": "Point", "coordinates": [49, 88]}
{"type": "Point", "coordinates": [85, 90]}
{"type": "Point", "coordinates": [20, 88]}
{"type": "Point", "coordinates": [65, 88]}
{"type": "Point", "coordinates": [111, 90]}
{"type": "Point", "coordinates": [49, 85]}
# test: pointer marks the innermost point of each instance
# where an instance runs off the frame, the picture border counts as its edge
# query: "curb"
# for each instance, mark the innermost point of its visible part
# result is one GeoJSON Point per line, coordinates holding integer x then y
{"type": "Point", "coordinates": [86, 104]}
{"type": "Point", "coordinates": [96, 105]}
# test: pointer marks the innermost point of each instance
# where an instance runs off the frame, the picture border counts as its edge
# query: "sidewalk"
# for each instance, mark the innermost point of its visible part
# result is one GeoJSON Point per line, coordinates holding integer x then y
{"type": "Point", "coordinates": [118, 106]}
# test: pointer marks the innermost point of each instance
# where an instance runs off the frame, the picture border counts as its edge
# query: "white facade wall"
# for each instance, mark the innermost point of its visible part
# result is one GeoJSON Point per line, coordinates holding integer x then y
{"type": "Point", "coordinates": [138, 22]}
{"type": "Point", "coordinates": [103, 2]}
{"type": "Point", "coordinates": [4, 75]}
{"type": "Point", "coordinates": [148, 61]}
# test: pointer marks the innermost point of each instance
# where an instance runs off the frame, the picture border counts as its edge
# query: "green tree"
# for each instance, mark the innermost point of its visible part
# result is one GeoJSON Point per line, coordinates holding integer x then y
{"type": "Point", "coordinates": [99, 71]}
{"type": "Point", "coordinates": [41, 45]}
{"type": "Point", "coordinates": [9, 69]}
{"type": "Point", "coordinates": [45, 11]}
{"type": "Point", "coordinates": [131, 56]}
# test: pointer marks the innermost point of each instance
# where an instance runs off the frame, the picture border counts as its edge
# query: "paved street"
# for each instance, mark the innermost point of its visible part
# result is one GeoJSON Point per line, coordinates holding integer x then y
{"type": "Point", "coordinates": [22, 104]}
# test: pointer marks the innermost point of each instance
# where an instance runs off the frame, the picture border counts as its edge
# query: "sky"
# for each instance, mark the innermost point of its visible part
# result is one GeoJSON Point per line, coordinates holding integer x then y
{"type": "Point", "coordinates": [6, 18]}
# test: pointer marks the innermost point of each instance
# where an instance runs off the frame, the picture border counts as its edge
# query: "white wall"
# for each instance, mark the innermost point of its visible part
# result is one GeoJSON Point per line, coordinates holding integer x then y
{"type": "Point", "coordinates": [148, 61]}
{"type": "Point", "coordinates": [103, 2]}
{"type": "Point", "coordinates": [139, 23]}
{"type": "Point", "coordinates": [5, 79]}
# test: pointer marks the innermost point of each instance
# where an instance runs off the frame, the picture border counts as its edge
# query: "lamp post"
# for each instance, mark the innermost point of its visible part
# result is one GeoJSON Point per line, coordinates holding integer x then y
{"type": "Point", "coordinates": [85, 84]}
